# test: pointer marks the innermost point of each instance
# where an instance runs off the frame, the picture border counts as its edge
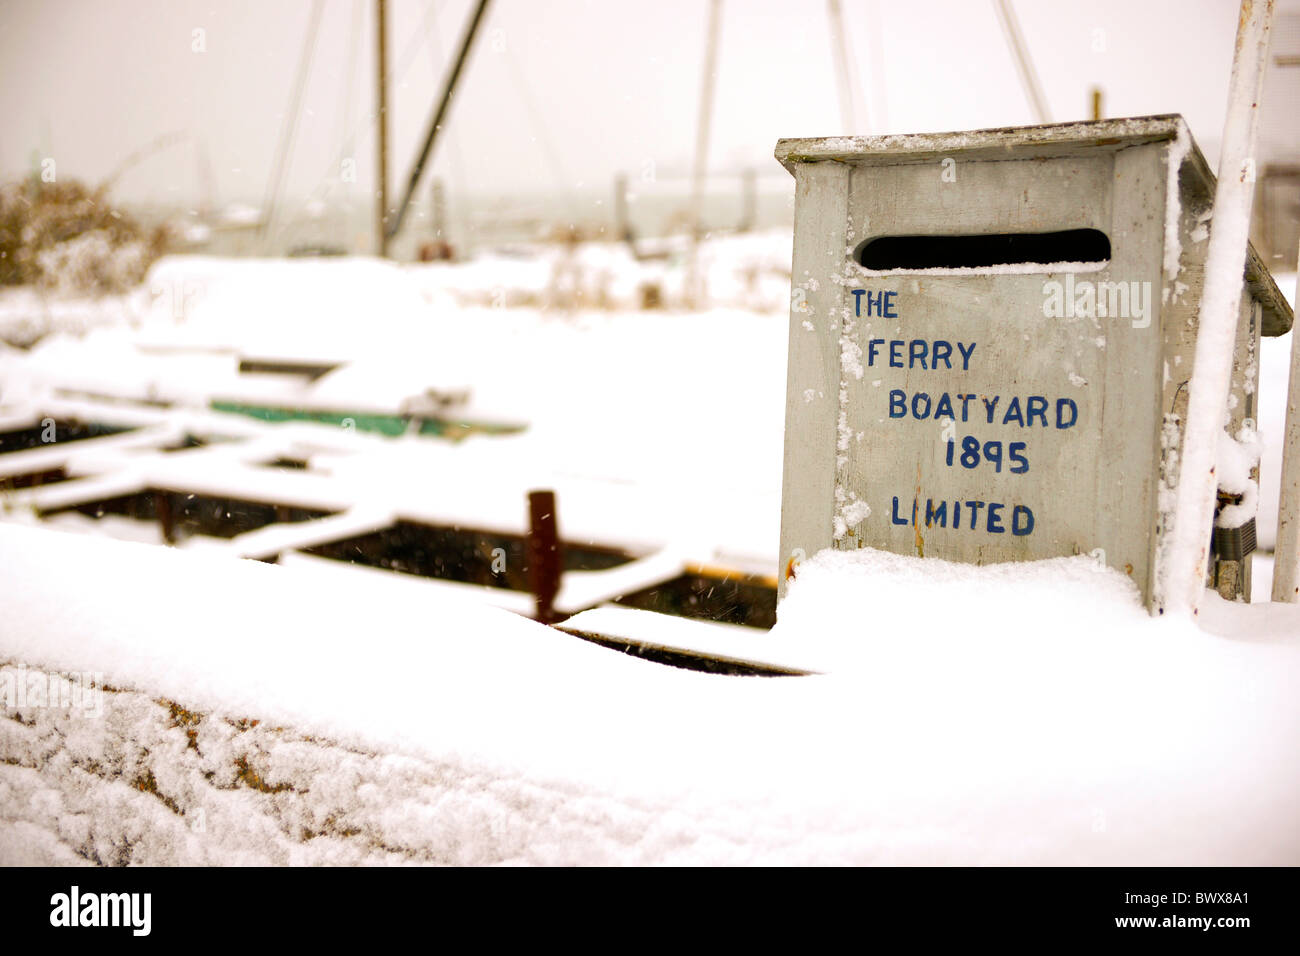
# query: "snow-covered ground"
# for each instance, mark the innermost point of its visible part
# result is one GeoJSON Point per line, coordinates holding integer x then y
{"type": "Point", "coordinates": [957, 714]}
{"type": "Point", "coordinates": [666, 425]}
{"type": "Point", "coordinates": [957, 720]}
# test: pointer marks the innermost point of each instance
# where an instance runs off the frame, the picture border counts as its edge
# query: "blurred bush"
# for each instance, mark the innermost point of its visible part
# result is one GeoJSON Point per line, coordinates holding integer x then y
{"type": "Point", "coordinates": [66, 238]}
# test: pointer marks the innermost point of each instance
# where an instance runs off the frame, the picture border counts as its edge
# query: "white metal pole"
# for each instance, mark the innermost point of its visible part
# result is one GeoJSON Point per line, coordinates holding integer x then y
{"type": "Point", "coordinates": [707, 83]}
{"type": "Point", "coordinates": [1286, 554]}
{"type": "Point", "coordinates": [1183, 576]}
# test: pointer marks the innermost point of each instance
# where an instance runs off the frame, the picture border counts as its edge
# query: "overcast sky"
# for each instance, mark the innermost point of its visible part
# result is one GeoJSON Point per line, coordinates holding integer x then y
{"type": "Point", "coordinates": [559, 92]}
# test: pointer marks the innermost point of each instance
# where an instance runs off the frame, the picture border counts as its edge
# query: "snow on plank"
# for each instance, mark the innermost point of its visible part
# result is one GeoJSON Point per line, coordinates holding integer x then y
{"type": "Point", "coordinates": [65, 454]}
{"type": "Point", "coordinates": [80, 491]}
{"type": "Point", "coordinates": [732, 647]}
{"type": "Point", "coordinates": [342, 573]}
{"type": "Point", "coordinates": [585, 589]}
{"type": "Point", "coordinates": [220, 479]}
{"type": "Point", "coordinates": [273, 539]}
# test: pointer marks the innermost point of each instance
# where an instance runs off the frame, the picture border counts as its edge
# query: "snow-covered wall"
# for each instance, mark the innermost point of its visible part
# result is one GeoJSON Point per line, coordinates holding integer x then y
{"type": "Point", "coordinates": [1009, 714]}
{"type": "Point", "coordinates": [150, 783]}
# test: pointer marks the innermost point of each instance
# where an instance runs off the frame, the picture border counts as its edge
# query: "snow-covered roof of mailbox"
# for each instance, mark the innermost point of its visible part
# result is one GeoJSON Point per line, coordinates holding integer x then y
{"type": "Point", "coordinates": [1040, 142]}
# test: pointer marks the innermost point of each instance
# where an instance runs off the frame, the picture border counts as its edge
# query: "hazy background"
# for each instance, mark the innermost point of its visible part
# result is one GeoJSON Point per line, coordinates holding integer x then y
{"type": "Point", "coordinates": [559, 94]}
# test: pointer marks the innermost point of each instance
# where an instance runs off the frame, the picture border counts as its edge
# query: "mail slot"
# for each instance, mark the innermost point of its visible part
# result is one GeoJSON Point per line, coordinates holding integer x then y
{"type": "Point", "coordinates": [991, 338]}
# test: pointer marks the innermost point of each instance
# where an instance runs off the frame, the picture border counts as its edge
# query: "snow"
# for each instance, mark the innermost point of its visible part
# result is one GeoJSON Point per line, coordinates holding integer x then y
{"type": "Point", "coordinates": [960, 721]}
{"type": "Point", "coordinates": [711, 639]}
{"type": "Point", "coordinates": [585, 589]}
{"type": "Point", "coordinates": [879, 147]}
{"type": "Point", "coordinates": [1026, 714]}
{"type": "Point", "coordinates": [1179, 148]}
{"type": "Point", "coordinates": [624, 464]}
{"type": "Point", "coordinates": [28, 314]}
{"type": "Point", "coordinates": [1234, 460]}
{"type": "Point", "coordinates": [93, 260]}
{"type": "Point", "coordinates": [712, 426]}
{"type": "Point", "coordinates": [272, 539]}
{"type": "Point", "coordinates": [1004, 269]}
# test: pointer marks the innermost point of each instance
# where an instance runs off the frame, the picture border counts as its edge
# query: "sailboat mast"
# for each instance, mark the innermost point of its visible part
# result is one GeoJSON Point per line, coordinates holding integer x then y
{"type": "Point", "coordinates": [381, 88]}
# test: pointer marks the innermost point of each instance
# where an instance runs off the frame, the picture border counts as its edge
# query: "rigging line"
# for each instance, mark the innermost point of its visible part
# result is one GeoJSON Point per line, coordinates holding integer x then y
{"type": "Point", "coordinates": [876, 64]}
{"type": "Point", "coordinates": [325, 185]}
{"type": "Point", "coordinates": [349, 83]}
{"type": "Point", "coordinates": [367, 125]}
{"type": "Point", "coordinates": [346, 146]}
{"type": "Point", "coordinates": [289, 129]}
{"type": "Point", "coordinates": [417, 38]}
{"type": "Point", "coordinates": [1024, 65]}
{"type": "Point", "coordinates": [694, 282]}
{"type": "Point", "coordinates": [439, 117]}
{"type": "Point", "coordinates": [840, 53]}
{"type": "Point", "coordinates": [861, 104]}
{"type": "Point", "coordinates": [437, 59]}
{"type": "Point", "coordinates": [164, 141]}
{"type": "Point", "coordinates": [562, 180]}
{"type": "Point", "coordinates": [207, 183]}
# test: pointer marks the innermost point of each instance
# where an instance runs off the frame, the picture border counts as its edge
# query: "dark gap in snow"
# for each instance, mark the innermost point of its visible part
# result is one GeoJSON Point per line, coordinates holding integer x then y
{"type": "Point", "coordinates": [732, 599]}
{"type": "Point", "coordinates": [687, 660]}
{"type": "Point", "coordinates": [464, 555]}
{"type": "Point", "coordinates": [33, 479]}
{"type": "Point", "coordinates": [50, 431]}
{"type": "Point", "coordinates": [308, 370]}
{"type": "Point", "coordinates": [191, 514]}
{"type": "Point", "coordinates": [185, 444]}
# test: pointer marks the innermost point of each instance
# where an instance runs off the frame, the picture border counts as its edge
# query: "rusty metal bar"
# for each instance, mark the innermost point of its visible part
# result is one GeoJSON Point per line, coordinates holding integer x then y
{"type": "Point", "coordinates": [162, 506]}
{"type": "Point", "coordinates": [545, 554]}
